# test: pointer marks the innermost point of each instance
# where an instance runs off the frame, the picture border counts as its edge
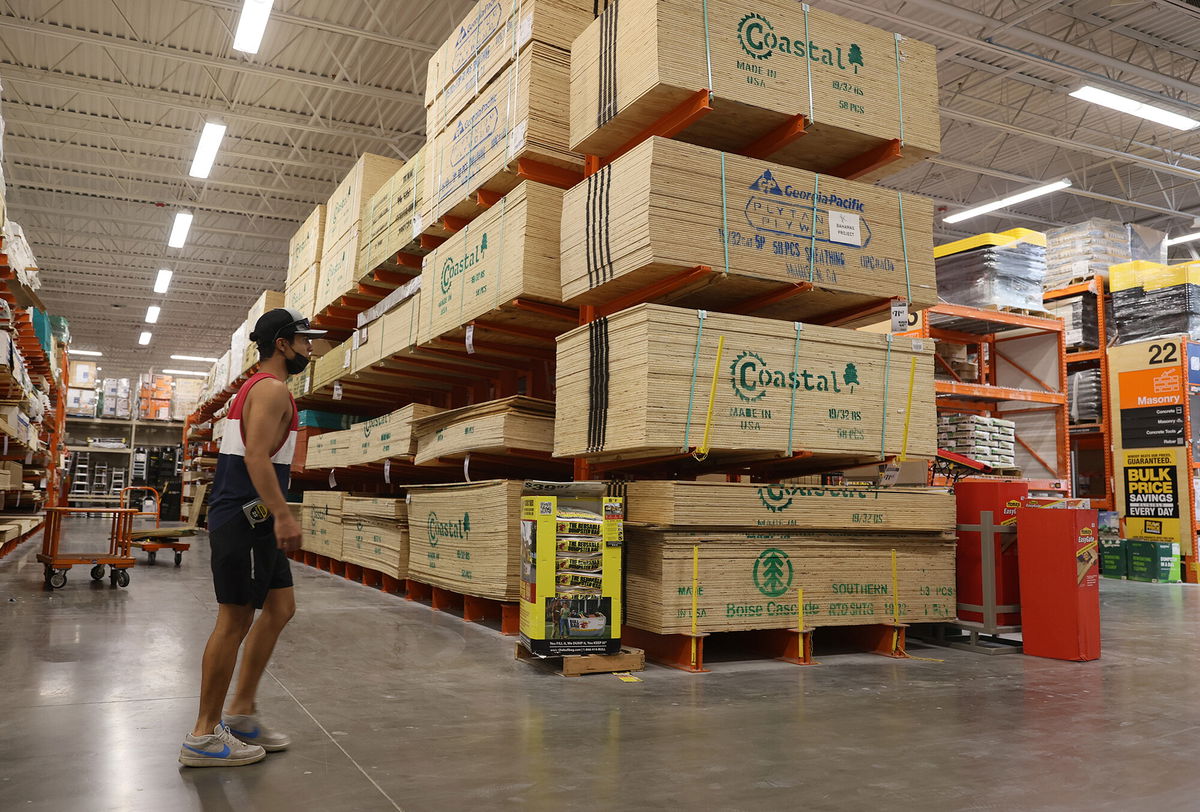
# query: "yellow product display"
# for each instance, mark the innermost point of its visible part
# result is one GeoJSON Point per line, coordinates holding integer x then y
{"type": "Point", "coordinates": [571, 603]}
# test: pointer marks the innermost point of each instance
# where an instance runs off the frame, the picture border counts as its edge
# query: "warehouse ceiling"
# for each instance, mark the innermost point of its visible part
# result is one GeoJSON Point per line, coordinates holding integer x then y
{"type": "Point", "coordinates": [104, 99]}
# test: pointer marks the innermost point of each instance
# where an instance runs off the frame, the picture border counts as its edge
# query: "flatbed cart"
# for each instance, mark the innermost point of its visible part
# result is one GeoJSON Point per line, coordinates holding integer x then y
{"type": "Point", "coordinates": [118, 557]}
{"type": "Point", "coordinates": [152, 539]}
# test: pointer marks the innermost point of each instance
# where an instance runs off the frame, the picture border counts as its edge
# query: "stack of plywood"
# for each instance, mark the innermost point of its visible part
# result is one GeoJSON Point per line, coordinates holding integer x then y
{"type": "Point", "coordinates": [667, 206]}
{"type": "Point", "coordinates": [323, 525]}
{"type": "Point", "coordinates": [638, 384]}
{"type": "Point", "coordinates": [333, 364]}
{"type": "Point", "coordinates": [304, 262]}
{"type": "Point", "coordinates": [860, 87]}
{"type": "Point", "coordinates": [375, 534]}
{"type": "Point", "coordinates": [522, 114]}
{"type": "Point", "coordinates": [390, 219]}
{"type": "Point", "coordinates": [509, 252]}
{"type": "Point", "coordinates": [759, 544]}
{"type": "Point", "coordinates": [515, 424]}
{"type": "Point", "coordinates": [389, 437]}
{"type": "Point", "coordinates": [467, 537]}
{"type": "Point", "coordinates": [344, 224]}
{"type": "Point", "coordinates": [269, 300]}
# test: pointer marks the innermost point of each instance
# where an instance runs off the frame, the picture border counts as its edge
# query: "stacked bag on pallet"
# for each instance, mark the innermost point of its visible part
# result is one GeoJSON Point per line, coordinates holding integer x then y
{"type": "Point", "coordinates": [1090, 248]}
{"type": "Point", "coordinates": [1085, 396]}
{"type": "Point", "coordinates": [1004, 270]}
{"type": "Point", "coordinates": [1081, 327]}
{"type": "Point", "coordinates": [990, 440]}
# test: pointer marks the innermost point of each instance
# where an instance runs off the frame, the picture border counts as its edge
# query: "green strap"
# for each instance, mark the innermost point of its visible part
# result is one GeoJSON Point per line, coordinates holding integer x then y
{"type": "Point", "coordinates": [708, 50]}
{"type": "Point", "coordinates": [725, 214]}
{"type": "Point", "coordinates": [887, 379]}
{"type": "Point", "coordinates": [812, 244]}
{"type": "Point", "coordinates": [904, 245]}
{"type": "Point", "coordinates": [795, 377]}
{"type": "Point", "coordinates": [808, 63]}
{"type": "Point", "coordinates": [899, 88]}
{"type": "Point", "coordinates": [701, 315]}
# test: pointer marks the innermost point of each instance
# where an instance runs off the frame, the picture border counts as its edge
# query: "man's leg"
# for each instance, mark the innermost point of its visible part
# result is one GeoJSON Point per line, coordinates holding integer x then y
{"type": "Point", "coordinates": [220, 657]}
{"type": "Point", "coordinates": [277, 610]}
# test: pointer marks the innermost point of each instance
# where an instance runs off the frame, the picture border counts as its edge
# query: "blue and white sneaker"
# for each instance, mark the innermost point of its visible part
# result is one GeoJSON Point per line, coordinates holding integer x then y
{"type": "Point", "coordinates": [251, 730]}
{"type": "Point", "coordinates": [221, 749]}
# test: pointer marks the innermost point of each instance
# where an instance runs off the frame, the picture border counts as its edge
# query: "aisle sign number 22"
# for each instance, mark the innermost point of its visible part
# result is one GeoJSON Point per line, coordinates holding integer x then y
{"type": "Point", "coordinates": [1165, 353]}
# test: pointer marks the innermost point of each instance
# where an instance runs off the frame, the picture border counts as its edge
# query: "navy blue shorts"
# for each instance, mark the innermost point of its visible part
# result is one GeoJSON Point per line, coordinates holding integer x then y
{"type": "Point", "coordinates": [246, 563]}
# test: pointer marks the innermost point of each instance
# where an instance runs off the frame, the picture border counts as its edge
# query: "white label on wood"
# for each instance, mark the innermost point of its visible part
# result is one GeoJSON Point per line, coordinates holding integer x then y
{"type": "Point", "coordinates": [337, 390]}
{"type": "Point", "coordinates": [387, 472]}
{"type": "Point", "coordinates": [899, 316]}
{"type": "Point", "coordinates": [470, 339]}
{"type": "Point", "coordinates": [918, 345]}
{"type": "Point", "coordinates": [516, 138]}
{"type": "Point", "coordinates": [845, 228]}
{"type": "Point", "coordinates": [332, 479]}
{"type": "Point", "coordinates": [417, 228]}
{"type": "Point", "coordinates": [360, 338]}
{"type": "Point", "coordinates": [346, 360]}
{"type": "Point", "coordinates": [467, 467]}
{"type": "Point", "coordinates": [525, 32]}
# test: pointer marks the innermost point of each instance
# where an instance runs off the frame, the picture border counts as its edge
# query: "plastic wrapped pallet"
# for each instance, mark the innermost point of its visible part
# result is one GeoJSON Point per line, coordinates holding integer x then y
{"type": "Point", "coordinates": [667, 206]}
{"type": "Point", "coordinates": [860, 87]}
{"type": "Point", "coordinates": [994, 271]}
{"type": "Point", "coordinates": [1154, 301]}
{"type": "Point", "coordinates": [1085, 396]}
{"type": "Point", "coordinates": [1084, 250]}
{"type": "Point", "coordinates": [1081, 328]}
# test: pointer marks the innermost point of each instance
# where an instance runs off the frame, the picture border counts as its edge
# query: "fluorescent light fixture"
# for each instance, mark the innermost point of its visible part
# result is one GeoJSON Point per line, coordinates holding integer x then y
{"type": "Point", "coordinates": [162, 281]}
{"type": "Point", "coordinates": [206, 150]}
{"type": "Point", "coordinates": [92, 353]}
{"type": "Point", "coordinates": [144, 338]}
{"type": "Point", "coordinates": [152, 314]}
{"type": "Point", "coordinates": [1185, 238]}
{"type": "Point", "coordinates": [179, 231]}
{"type": "Point", "coordinates": [251, 25]}
{"type": "Point", "coordinates": [1005, 202]}
{"type": "Point", "coordinates": [184, 372]}
{"type": "Point", "coordinates": [1133, 107]}
{"type": "Point", "coordinates": [198, 359]}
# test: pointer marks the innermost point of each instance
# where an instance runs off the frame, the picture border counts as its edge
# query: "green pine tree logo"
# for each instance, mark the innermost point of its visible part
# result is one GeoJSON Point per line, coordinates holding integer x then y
{"type": "Point", "coordinates": [855, 57]}
{"type": "Point", "coordinates": [773, 573]}
{"type": "Point", "coordinates": [850, 376]}
{"type": "Point", "coordinates": [466, 524]}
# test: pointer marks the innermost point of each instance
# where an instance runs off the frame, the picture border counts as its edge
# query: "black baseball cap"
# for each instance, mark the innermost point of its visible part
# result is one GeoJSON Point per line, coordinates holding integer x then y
{"type": "Point", "coordinates": [282, 322]}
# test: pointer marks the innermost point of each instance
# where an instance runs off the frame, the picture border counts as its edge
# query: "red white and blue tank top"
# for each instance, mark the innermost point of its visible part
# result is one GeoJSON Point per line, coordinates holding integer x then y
{"type": "Point", "coordinates": [232, 487]}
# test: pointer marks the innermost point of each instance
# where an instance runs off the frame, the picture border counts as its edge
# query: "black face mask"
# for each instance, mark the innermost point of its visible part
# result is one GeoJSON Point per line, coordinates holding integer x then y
{"type": "Point", "coordinates": [296, 364]}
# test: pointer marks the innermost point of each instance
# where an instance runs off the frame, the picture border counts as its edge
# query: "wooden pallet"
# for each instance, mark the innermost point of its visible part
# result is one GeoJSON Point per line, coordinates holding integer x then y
{"type": "Point", "coordinates": [576, 665]}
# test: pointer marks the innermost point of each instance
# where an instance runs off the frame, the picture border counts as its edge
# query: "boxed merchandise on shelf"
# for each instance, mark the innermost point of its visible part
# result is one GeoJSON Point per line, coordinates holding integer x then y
{"type": "Point", "coordinates": [860, 87]}
{"type": "Point", "coordinates": [1004, 270]}
{"type": "Point", "coordinates": [667, 206]}
{"type": "Point", "coordinates": [467, 537]}
{"type": "Point", "coordinates": [956, 362]}
{"type": "Point", "coordinates": [1085, 395]}
{"type": "Point", "coordinates": [344, 211]}
{"type": "Point", "coordinates": [186, 397]}
{"type": "Point", "coordinates": [501, 427]}
{"type": "Point", "coordinates": [305, 246]}
{"type": "Point", "coordinates": [81, 402]}
{"type": "Point", "coordinates": [643, 377]}
{"type": "Point", "coordinates": [522, 114]}
{"type": "Point", "coordinates": [83, 374]}
{"type": "Point", "coordinates": [509, 252]}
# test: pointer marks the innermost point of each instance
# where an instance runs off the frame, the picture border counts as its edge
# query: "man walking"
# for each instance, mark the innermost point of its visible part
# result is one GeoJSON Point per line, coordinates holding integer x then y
{"type": "Point", "coordinates": [251, 529]}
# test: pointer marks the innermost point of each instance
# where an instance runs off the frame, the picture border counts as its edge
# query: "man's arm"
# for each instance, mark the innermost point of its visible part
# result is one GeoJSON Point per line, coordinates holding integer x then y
{"type": "Point", "coordinates": [264, 417]}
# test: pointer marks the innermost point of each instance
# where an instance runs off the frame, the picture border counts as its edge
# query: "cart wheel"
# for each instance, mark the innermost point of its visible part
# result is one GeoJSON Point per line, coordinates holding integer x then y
{"type": "Point", "coordinates": [122, 578]}
{"type": "Point", "coordinates": [98, 572]}
{"type": "Point", "coordinates": [58, 580]}
{"type": "Point", "coordinates": [151, 556]}
{"type": "Point", "coordinates": [178, 558]}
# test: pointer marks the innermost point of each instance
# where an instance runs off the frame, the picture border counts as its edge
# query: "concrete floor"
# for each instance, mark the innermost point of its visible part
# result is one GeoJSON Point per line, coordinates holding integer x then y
{"type": "Point", "coordinates": [394, 706]}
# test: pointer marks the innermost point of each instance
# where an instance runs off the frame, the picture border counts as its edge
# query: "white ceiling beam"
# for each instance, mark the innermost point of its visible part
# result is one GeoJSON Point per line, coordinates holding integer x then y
{"type": "Point", "coordinates": [31, 117]}
{"type": "Point", "coordinates": [70, 83]}
{"type": "Point", "coordinates": [16, 207]}
{"type": "Point", "coordinates": [115, 43]}
{"type": "Point", "coordinates": [57, 235]}
{"type": "Point", "coordinates": [327, 27]}
{"type": "Point", "coordinates": [308, 197]}
{"type": "Point", "coordinates": [14, 182]}
{"type": "Point", "coordinates": [152, 262]}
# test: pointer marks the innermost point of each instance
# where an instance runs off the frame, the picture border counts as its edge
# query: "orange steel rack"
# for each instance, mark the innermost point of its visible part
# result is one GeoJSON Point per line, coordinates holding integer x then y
{"type": "Point", "coordinates": [1093, 437]}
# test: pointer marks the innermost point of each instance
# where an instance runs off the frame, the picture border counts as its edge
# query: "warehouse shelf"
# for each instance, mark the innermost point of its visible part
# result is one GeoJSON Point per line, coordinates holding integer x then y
{"type": "Point", "coordinates": [1094, 438]}
{"type": "Point", "coordinates": [1022, 377]}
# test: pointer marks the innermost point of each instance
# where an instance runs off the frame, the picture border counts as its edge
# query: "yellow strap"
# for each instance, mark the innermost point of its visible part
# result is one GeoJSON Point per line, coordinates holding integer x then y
{"type": "Point", "coordinates": [895, 607]}
{"type": "Point", "coordinates": [912, 379]}
{"type": "Point", "coordinates": [702, 452]}
{"type": "Point", "coordinates": [695, 596]}
{"type": "Point", "coordinates": [800, 616]}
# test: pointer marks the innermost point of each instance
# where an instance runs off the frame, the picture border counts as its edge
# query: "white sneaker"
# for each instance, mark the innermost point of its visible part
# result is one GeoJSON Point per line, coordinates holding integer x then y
{"type": "Point", "coordinates": [251, 730]}
{"type": "Point", "coordinates": [220, 749]}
